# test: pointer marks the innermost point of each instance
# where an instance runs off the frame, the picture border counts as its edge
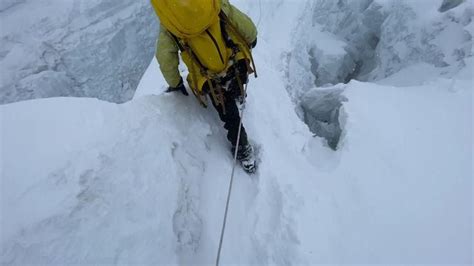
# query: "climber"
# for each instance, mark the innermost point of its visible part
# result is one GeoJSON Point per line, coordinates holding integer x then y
{"type": "Point", "coordinates": [215, 41]}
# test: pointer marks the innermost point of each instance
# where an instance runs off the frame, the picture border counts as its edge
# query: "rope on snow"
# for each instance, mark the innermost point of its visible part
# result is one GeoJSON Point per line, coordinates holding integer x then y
{"type": "Point", "coordinates": [231, 180]}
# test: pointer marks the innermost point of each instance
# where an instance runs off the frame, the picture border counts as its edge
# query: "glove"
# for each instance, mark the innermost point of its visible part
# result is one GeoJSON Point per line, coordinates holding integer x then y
{"type": "Point", "coordinates": [253, 44]}
{"type": "Point", "coordinates": [180, 87]}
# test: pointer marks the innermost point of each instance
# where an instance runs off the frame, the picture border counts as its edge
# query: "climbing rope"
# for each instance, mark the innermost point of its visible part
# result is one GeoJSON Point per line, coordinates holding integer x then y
{"type": "Point", "coordinates": [236, 150]}
{"type": "Point", "coordinates": [231, 178]}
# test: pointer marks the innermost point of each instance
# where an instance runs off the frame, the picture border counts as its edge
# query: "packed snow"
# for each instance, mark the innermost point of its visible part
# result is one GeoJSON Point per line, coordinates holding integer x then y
{"type": "Point", "coordinates": [374, 171]}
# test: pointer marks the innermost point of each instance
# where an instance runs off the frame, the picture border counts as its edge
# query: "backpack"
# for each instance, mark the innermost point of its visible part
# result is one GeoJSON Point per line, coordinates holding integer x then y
{"type": "Point", "coordinates": [199, 28]}
{"type": "Point", "coordinates": [196, 25]}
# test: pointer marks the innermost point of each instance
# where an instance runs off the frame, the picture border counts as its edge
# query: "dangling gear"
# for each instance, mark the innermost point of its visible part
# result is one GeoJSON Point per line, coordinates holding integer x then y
{"type": "Point", "coordinates": [246, 157]}
{"type": "Point", "coordinates": [235, 80]}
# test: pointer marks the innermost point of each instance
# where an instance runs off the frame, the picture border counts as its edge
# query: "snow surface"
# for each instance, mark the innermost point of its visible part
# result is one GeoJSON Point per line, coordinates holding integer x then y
{"type": "Point", "coordinates": [78, 48]}
{"type": "Point", "coordinates": [145, 182]}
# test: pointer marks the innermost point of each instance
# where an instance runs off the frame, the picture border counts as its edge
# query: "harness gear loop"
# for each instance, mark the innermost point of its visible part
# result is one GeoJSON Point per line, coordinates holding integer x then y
{"type": "Point", "coordinates": [219, 96]}
{"type": "Point", "coordinates": [212, 91]}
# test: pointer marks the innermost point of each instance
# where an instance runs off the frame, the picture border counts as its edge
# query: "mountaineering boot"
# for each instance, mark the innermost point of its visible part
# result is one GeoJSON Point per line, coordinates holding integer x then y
{"type": "Point", "coordinates": [246, 157]}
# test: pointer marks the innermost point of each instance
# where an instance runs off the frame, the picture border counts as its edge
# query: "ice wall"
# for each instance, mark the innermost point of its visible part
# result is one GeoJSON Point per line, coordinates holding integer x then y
{"type": "Point", "coordinates": [372, 40]}
{"type": "Point", "coordinates": [418, 33]}
{"type": "Point", "coordinates": [74, 48]}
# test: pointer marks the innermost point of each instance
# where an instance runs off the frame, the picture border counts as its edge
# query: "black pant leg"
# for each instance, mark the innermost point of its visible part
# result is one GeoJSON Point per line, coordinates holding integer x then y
{"type": "Point", "coordinates": [231, 119]}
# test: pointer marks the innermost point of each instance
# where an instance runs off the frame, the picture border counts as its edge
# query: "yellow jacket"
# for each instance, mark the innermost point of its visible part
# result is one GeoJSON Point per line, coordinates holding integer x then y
{"type": "Point", "coordinates": [167, 49]}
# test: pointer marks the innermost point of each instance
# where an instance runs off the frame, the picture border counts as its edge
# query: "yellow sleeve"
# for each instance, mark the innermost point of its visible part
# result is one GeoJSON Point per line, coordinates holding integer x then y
{"type": "Point", "coordinates": [241, 21]}
{"type": "Point", "coordinates": [168, 59]}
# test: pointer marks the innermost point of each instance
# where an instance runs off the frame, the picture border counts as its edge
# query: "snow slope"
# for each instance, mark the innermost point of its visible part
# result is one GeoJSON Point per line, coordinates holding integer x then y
{"type": "Point", "coordinates": [91, 182]}
{"type": "Point", "coordinates": [401, 182]}
{"type": "Point", "coordinates": [134, 183]}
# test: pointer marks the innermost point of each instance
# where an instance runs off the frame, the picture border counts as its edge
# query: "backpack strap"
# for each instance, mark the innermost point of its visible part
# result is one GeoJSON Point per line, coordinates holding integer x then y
{"type": "Point", "coordinates": [225, 19]}
{"type": "Point", "coordinates": [180, 46]}
{"type": "Point", "coordinates": [228, 41]}
{"type": "Point", "coordinates": [183, 47]}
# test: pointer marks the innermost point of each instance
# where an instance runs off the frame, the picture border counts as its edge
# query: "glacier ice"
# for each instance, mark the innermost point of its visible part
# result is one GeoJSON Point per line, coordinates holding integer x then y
{"type": "Point", "coordinates": [371, 40]}
{"type": "Point", "coordinates": [449, 4]}
{"type": "Point", "coordinates": [76, 48]}
{"type": "Point", "coordinates": [321, 108]}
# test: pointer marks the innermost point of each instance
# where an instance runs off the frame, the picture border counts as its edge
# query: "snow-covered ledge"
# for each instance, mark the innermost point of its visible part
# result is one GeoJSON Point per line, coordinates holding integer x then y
{"type": "Point", "coordinates": [76, 48]}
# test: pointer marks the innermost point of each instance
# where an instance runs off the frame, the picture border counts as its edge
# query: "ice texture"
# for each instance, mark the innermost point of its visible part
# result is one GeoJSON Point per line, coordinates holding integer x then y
{"type": "Point", "coordinates": [372, 40]}
{"type": "Point", "coordinates": [337, 41]}
{"type": "Point", "coordinates": [76, 48]}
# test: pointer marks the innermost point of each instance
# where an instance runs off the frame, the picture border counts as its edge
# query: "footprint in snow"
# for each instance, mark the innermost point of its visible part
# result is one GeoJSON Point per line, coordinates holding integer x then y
{"type": "Point", "coordinates": [187, 224]}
